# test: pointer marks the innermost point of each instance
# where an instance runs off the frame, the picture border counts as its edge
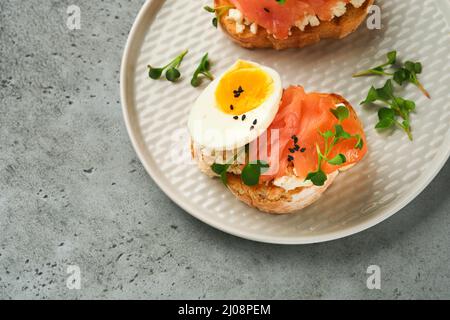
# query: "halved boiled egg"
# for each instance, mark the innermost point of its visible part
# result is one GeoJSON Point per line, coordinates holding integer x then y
{"type": "Point", "coordinates": [237, 107]}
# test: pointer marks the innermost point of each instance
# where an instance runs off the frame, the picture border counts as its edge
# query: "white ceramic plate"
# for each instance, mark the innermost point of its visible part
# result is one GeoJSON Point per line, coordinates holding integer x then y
{"type": "Point", "coordinates": [393, 173]}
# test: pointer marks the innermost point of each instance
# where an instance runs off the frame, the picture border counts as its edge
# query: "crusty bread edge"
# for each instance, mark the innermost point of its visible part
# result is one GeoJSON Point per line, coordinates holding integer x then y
{"type": "Point", "coordinates": [337, 28]}
{"type": "Point", "coordinates": [275, 200]}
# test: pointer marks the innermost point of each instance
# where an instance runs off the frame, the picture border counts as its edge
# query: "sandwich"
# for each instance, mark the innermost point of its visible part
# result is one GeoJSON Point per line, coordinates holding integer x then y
{"type": "Point", "coordinates": [282, 24]}
{"type": "Point", "coordinates": [275, 149]}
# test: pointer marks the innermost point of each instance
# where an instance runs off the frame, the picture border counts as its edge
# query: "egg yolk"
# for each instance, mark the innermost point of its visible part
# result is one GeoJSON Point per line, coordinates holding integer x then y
{"type": "Point", "coordinates": [243, 89]}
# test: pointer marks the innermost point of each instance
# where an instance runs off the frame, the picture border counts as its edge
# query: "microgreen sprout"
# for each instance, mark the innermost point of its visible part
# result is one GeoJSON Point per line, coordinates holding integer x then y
{"type": "Point", "coordinates": [250, 173]}
{"type": "Point", "coordinates": [202, 69]}
{"type": "Point", "coordinates": [218, 12]}
{"type": "Point", "coordinates": [409, 73]}
{"type": "Point", "coordinates": [172, 74]}
{"type": "Point", "coordinates": [332, 138]}
{"type": "Point", "coordinates": [281, 1]}
{"type": "Point", "coordinates": [221, 170]}
{"type": "Point", "coordinates": [401, 74]}
{"type": "Point", "coordinates": [395, 107]}
{"type": "Point", "coordinates": [380, 70]}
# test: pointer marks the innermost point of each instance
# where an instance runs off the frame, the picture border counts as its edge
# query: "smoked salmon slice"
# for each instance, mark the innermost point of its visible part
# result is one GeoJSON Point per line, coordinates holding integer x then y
{"type": "Point", "coordinates": [300, 120]}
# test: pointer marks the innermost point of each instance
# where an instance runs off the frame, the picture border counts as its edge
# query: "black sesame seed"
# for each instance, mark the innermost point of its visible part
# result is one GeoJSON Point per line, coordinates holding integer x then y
{"type": "Point", "coordinates": [243, 117]}
{"type": "Point", "coordinates": [252, 127]}
{"type": "Point", "coordinates": [231, 107]}
{"type": "Point", "coordinates": [303, 150]}
{"type": "Point", "coordinates": [255, 122]}
{"type": "Point", "coordinates": [290, 158]}
{"type": "Point", "coordinates": [294, 137]}
{"type": "Point", "coordinates": [291, 150]}
{"type": "Point", "coordinates": [235, 117]}
{"type": "Point", "coordinates": [237, 93]}
{"type": "Point", "coordinates": [297, 147]}
{"type": "Point", "coordinates": [266, 10]}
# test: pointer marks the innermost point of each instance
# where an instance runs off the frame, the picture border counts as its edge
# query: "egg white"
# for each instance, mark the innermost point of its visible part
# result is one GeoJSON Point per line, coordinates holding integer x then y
{"type": "Point", "coordinates": [212, 128]}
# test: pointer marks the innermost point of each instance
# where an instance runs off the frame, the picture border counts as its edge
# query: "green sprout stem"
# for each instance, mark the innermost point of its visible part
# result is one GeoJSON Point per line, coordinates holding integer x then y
{"type": "Point", "coordinates": [202, 69]}
{"type": "Point", "coordinates": [406, 129]}
{"type": "Point", "coordinates": [222, 9]}
{"type": "Point", "coordinates": [406, 72]}
{"type": "Point", "coordinates": [405, 116]}
{"type": "Point", "coordinates": [218, 12]}
{"type": "Point", "coordinates": [372, 72]}
{"type": "Point", "coordinates": [419, 85]}
{"type": "Point", "coordinates": [395, 107]}
{"type": "Point", "coordinates": [208, 75]}
{"type": "Point", "coordinates": [177, 61]}
{"type": "Point", "coordinates": [172, 74]}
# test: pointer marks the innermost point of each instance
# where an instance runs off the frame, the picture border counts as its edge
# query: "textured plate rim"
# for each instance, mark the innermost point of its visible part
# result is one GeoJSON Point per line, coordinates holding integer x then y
{"type": "Point", "coordinates": [140, 149]}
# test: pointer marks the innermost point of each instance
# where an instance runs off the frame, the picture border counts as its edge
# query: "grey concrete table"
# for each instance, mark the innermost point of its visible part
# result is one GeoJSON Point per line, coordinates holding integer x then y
{"type": "Point", "coordinates": [73, 193]}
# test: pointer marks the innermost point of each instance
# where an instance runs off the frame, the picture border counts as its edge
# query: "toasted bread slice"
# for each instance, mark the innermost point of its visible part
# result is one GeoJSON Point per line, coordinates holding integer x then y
{"type": "Point", "coordinates": [272, 199]}
{"type": "Point", "coordinates": [337, 28]}
{"type": "Point", "coordinates": [275, 200]}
